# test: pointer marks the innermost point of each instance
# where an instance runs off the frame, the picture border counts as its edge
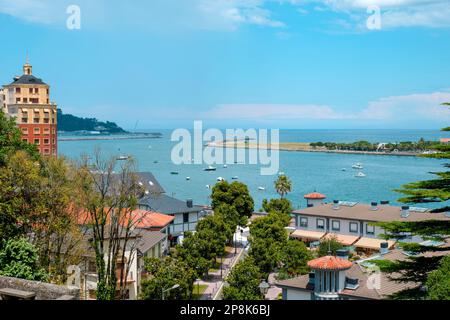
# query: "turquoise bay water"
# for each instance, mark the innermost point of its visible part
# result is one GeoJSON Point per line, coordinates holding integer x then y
{"type": "Point", "coordinates": [308, 171]}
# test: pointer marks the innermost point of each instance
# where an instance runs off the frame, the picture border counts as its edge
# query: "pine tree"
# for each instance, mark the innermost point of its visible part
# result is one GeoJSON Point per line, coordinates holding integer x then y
{"type": "Point", "coordinates": [418, 267]}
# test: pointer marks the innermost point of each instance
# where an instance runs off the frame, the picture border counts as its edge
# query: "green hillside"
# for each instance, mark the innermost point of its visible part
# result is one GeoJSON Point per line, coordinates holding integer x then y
{"type": "Point", "coordinates": [71, 123]}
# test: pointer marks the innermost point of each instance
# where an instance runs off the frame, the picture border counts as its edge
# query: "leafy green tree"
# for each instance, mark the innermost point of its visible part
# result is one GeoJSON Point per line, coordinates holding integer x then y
{"type": "Point", "coordinates": [282, 207]}
{"type": "Point", "coordinates": [234, 194]}
{"type": "Point", "coordinates": [438, 282]}
{"type": "Point", "coordinates": [420, 265]}
{"type": "Point", "coordinates": [283, 185]}
{"type": "Point", "coordinates": [294, 259]}
{"type": "Point", "coordinates": [19, 259]}
{"type": "Point", "coordinates": [195, 251]}
{"type": "Point", "coordinates": [328, 247]}
{"type": "Point", "coordinates": [243, 282]}
{"type": "Point", "coordinates": [214, 231]}
{"type": "Point", "coordinates": [164, 274]}
{"type": "Point", "coordinates": [268, 237]}
{"type": "Point", "coordinates": [231, 218]}
{"type": "Point", "coordinates": [11, 140]}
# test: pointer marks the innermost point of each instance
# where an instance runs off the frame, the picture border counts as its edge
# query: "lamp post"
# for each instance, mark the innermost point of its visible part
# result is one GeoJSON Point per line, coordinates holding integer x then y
{"type": "Point", "coordinates": [170, 289]}
{"type": "Point", "coordinates": [264, 288]}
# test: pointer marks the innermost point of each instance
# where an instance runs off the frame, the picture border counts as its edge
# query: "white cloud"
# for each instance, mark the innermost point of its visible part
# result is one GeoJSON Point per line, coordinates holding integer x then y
{"type": "Point", "coordinates": [156, 14]}
{"type": "Point", "coordinates": [395, 13]}
{"type": "Point", "coordinates": [413, 107]}
{"type": "Point", "coordinates": [272, 112]}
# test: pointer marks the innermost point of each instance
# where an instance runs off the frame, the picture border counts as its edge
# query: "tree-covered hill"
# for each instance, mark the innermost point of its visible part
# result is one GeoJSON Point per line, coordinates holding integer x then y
{"type": "Point", "coordinates": [71, 123]}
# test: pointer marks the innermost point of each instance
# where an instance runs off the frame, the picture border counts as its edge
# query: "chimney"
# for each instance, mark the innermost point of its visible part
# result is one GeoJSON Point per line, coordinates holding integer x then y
{"type": "Point", "coordinates": [342, 253]}
{"type": "Point", "coordinates": [384, 203]}
{"type": "Point", "coordinates": [351, 283]}
{"type": "Point", "coordinates": [336, 205]}
{"type": "Point", "coordinates": [405, 212]}
{"type": "Point", "coordinates": [384, 247]}
{"type": "Point", "coordinates": [374, 206]}
{"type": "Point", "coordinates": [190, 203]}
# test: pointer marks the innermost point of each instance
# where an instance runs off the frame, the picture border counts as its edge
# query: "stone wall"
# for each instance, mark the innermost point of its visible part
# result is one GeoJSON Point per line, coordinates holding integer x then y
{"type": "Point", "coordinates": [44, 291]}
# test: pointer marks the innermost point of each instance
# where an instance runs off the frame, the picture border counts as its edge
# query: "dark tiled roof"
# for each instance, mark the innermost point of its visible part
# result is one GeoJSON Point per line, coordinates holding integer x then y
{"type": "Point", "coordinates": [167, 205]}
{"type": "Point", "coordinates": [363, 212]}
{"type": "Point", "coordinates": [150, 183]}
{"type": "Point", "coordinates": [28, 79]}
{"type": "Point", "coordinates": [149, 239]}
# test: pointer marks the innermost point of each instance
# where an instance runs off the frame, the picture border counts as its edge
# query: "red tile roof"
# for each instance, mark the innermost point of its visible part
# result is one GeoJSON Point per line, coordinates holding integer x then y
{"type": "Point", "coordinates": [149, 219]}
{"type": "Point", "coordinates": [330, 263]}
{"type": "Point", "coordinates": [315, 196]}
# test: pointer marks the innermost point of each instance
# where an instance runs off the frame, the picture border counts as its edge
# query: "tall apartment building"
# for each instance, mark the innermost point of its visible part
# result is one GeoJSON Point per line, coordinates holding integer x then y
{"type": "Point", "coordinates": [27, 99]}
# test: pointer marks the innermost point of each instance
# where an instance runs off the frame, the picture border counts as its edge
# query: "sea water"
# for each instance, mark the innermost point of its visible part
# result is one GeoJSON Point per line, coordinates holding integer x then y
{"type": "Point", "coordinates": [322, 172]}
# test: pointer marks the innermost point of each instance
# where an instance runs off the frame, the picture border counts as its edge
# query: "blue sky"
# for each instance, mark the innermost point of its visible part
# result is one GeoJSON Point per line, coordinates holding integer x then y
{"type": "Point", "coordinates": [237, 63]}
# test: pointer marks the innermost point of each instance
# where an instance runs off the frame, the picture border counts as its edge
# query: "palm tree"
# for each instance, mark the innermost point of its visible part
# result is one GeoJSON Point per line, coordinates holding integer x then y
{"type": "Point", "coordinates": [283, 185]}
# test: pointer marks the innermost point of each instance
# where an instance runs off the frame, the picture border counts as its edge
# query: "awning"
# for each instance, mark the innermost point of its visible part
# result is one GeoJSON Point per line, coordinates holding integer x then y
{"type": "Point", "coordinates": [47, 110]}
{"type": "Point", "coordinates": [36, 110]}
{"type": "Point", "coordinates": [309, 235]}
{"type": "Point", "coordinates": [374, 244]}
{"type": "Point", "coordinates": [346, 240]}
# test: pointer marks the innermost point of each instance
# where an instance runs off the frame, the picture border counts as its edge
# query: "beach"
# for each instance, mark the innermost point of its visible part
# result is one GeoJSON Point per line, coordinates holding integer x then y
{"type": "Point", "coordinates": [303, 147]}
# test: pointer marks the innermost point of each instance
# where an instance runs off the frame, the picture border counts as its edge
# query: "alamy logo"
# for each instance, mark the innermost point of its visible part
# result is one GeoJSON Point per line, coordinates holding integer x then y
{"type": "Point", "coordinates": [74, 20]}
{"type": "Point", "coordinates": [211, 147]}
{"type": "Point", "coordinates": [374, 20]}
{"type": "Point", "coordinates": [374, 278]}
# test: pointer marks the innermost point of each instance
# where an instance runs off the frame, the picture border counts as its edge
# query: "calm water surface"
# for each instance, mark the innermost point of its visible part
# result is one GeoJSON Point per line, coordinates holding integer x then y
{"type": "Point", "coordinates": [308, 171]}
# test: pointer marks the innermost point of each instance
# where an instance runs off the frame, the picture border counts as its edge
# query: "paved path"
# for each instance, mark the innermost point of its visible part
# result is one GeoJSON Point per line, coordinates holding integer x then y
{"type": "Point", "coordinates": [216, 278]}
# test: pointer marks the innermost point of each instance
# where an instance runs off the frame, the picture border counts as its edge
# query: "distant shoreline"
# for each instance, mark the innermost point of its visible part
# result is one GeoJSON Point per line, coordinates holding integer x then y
{"type": "Point", "coordinates": [109, 138]}
{"type": "Point", "coordinates": [305, 147]}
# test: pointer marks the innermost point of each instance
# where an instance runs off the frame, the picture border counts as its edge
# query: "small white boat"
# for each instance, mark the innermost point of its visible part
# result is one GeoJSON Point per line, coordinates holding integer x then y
{"type": "Point", "coordinates": [360, 175]}
{"type": "Point", "coordinates": [225, 166]}
{"type": "Point", "coordinates": [211, 168]}
{"type": "Point", "coordinates": [261, 188]}
{"type": "Point", "coordinates": [343, 169]}
{"type": "Point", "coordinates": [281, 173]}
{"type": "Point", "coordinates": [358, 166]}
{"type": "Point", "coordinates": [235, 178]}
{"type": "Point", "coordinates": [188, 178]}
{"type": "Point", "coordinates": [208, 186]}
{"type": "Point", "coordinates": [123, 158]}
{"type": "Point", "coordinates": [220, 179]}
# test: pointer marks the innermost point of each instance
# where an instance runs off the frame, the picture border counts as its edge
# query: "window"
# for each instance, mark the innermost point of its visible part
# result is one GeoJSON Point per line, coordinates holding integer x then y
{"type": "Point", "coordinates": [25, 100]}
{"type": "Point", "coordinates": [25, 131]}
{"type": "Point", "coordinates": [30, 90]}
{"type": "Point", "coordinates": [17, 100]}
{"type": "Point", "coordinates": [47, 141]}
{"type": "Point", "coordinates": [46, 151]}
{"type": "Point", "coordinates": [370, 229]}
{"type": "Point", "coordinates": [17, 90]}
{"type": "Point", "coordinates": [24, 120]}
{"type": "Point", "coordinates": [304, 222]}
{"type": "Point", "coordinates": [46, 130]}
{"type": "Point", "coordinates": [37, 131]}
{"type": "Point", "coordinates": [320, 224]}
{"type": "Point", "coordinates": [25, 140]}
{"type": "Point", "coordinates": [185, 217]}
{"type": "Point", "coordinates": [336, 225]}
{"type": "Point", "coordinates": [353, 227]}
{"type": "Point", "coordinates": [36, 142]}
{"type": "Point", "coordinates": [36, 90]}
